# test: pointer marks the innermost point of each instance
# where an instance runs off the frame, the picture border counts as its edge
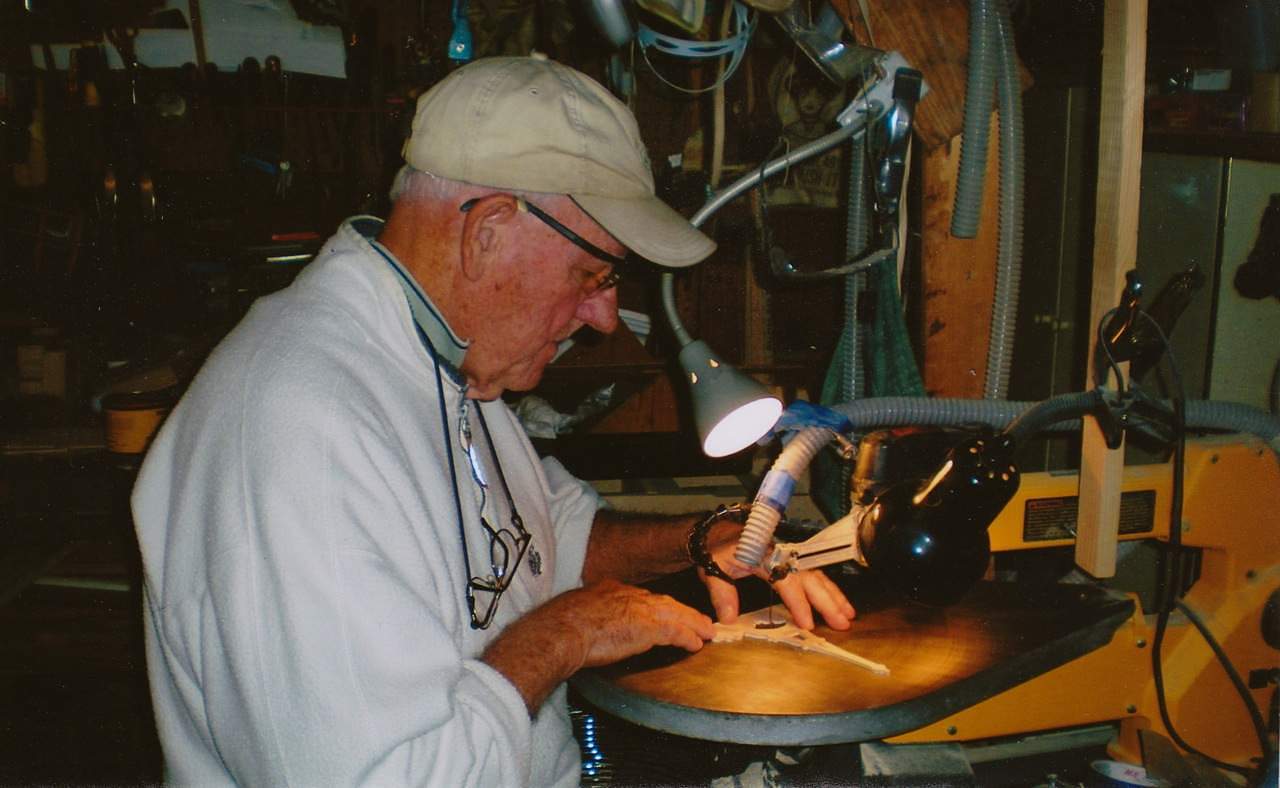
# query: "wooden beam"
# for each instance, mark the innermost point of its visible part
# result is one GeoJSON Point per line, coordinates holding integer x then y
{"type": "Point", "coordinates": [958, 275]}
{"type": "Point", "coordinates": [1115, 249]}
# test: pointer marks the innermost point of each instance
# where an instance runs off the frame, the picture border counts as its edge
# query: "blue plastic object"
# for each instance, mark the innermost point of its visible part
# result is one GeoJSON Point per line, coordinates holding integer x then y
{"type": "Point", "coordinates": [800, 415]}
{"type": "Point", "coordinates": [460, 47]}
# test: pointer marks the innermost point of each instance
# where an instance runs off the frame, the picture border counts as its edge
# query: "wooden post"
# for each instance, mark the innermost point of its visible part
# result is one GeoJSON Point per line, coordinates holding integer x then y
{"type": "Point", "coordinates": [1115, 249]}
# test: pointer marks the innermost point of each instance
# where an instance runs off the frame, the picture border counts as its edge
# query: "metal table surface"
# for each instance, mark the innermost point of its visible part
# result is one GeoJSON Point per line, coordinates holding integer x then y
{"type": "Point", "coordinates": [941, 660]}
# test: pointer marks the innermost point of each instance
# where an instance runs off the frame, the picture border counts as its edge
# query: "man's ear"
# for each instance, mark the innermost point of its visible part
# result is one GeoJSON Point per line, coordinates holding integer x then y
{"type": "Point", "coordinates": [485, 233]}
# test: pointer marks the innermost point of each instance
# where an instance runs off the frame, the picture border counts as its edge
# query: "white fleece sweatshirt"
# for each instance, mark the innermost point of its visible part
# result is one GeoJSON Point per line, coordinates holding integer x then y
{"type": "Point", "coordinates": [305, 609]}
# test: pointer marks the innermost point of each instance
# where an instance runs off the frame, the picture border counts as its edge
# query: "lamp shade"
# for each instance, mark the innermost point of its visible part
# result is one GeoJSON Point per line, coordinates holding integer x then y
{"type": "Point", "coordinates": [731, 410]}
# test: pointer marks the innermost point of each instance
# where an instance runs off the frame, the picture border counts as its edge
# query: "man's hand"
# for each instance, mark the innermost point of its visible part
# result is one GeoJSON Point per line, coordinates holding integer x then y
{"type": "Point", "coordinates": [595, 625]}
{"type": "Point", "coordinates": [802, 592]}
{"type": "Point", "coordinates": [617, 621]}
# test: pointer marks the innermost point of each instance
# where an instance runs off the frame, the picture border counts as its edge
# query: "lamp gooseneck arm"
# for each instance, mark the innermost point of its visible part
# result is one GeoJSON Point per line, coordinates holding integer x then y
{"type": "Point", "coordinates": [683, 337]}
{"type": "Point", "coordinates": [788, 159]}
{"type": "Point", "coordinates": [752, 179]}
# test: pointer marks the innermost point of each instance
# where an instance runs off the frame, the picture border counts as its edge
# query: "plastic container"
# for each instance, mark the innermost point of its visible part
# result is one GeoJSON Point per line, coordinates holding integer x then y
{"type": "Point", "coordinates": [1117, 774]}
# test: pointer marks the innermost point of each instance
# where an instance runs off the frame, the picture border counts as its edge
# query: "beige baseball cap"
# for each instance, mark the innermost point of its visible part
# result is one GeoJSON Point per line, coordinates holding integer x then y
{"type": "Point", "coordinates": [531, 124]}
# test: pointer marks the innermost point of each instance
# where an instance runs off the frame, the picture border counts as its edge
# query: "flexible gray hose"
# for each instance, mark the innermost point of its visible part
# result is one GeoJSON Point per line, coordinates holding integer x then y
{"type": "Point", "coordinates": [979, 97]}
{"type": "Point", "coordinates": [1004, 311]}
{"type": "Point", "coordinates": [857, 234]}
{"type": "Point", "coordinates": [874, 412]}
{"type": "Point", "coordinates": [929, 411]}
{"type": "Point", "coordinates": [1041, 416]}
{"type": "Point", "coordinates": [998, 414]}
{"type": "Point", "coordinates": [775, 492]}
{"type": "Point", "coordinates": [1234, 417]}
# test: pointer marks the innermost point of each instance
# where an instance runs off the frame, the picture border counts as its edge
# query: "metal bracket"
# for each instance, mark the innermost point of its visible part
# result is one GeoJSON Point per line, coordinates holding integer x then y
{"type": "Point", "coordinates": [907, 86]}
{"type": "Point", "coordinates": [832, 545]}
{"type": "Point", "coordinates": [872, 100]}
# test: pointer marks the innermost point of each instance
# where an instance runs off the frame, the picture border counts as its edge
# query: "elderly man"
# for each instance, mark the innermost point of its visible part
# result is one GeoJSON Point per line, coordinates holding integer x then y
{"type": "Point", "coordinates": [357, 569]}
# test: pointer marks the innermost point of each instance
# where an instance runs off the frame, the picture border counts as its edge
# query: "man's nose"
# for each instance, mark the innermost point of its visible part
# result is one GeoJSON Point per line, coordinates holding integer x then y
{"type": "Point", "coordinates": [600, 310]}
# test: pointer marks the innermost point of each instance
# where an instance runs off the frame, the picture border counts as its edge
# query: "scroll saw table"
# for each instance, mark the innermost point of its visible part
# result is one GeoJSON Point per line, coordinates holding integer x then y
{"type": "Point", "coordinates": [940, 659]}
{"type": "Point", "coordinates": [1010, 660]}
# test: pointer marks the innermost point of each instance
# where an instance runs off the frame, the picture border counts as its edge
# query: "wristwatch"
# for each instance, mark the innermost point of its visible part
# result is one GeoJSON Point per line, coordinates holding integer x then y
{"type": "Point", "coordinates": [696, 545]}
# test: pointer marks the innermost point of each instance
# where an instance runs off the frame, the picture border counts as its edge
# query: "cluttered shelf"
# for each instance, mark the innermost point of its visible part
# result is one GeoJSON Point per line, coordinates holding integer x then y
{"type": "Point", "coordinates": [1259, 146]}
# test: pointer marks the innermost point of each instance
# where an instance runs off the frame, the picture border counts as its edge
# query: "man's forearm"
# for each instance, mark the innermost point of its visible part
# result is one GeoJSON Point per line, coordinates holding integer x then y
{"type": "Point", "coordinates": [633, 548]}
{"type": "Point", "coordinates": [538, 652]}
{"type": "Point", "coordinates": [594, 625]}
{"type": "Point", "coordinates": [624, 546]}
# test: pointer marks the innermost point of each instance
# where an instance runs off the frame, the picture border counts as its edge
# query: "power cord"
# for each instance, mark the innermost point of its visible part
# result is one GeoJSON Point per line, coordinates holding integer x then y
{"type": "Point", "coordinates": [1173, 580]}
{"type": "Point", "coordinates": [1259, 724]}
{"type": "Point", "coordinates": [1111, 359]}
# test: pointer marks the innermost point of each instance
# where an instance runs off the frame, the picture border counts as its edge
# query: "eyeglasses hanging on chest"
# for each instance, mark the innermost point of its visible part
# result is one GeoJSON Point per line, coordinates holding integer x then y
{"type": "Point", "coordinates": [507, 543]}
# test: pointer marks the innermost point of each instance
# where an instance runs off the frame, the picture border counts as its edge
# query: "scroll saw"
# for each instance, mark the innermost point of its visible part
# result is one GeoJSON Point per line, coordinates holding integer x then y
{"type": "Point", "coordinates": [1012, 658]}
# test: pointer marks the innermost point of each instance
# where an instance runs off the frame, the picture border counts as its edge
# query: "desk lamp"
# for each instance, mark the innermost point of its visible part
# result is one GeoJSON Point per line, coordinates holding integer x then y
{"type": "Point", "coordinates": [731, 411]}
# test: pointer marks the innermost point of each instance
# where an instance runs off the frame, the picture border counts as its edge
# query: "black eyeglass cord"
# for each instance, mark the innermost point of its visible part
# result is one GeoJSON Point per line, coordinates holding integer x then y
{"type": "Point", "coordinates": [453, 470]}
{"type": "Point", "coordinates": [516, 520]}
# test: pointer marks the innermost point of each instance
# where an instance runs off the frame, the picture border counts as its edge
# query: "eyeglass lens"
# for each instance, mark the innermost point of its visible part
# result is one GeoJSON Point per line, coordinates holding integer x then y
{"type": "Point", "coordinates": [485, 592]}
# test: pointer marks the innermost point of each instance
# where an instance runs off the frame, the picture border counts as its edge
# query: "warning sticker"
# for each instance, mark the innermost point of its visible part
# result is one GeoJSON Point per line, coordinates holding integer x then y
{"type": "Point", "coordinates": [1055, 518]}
